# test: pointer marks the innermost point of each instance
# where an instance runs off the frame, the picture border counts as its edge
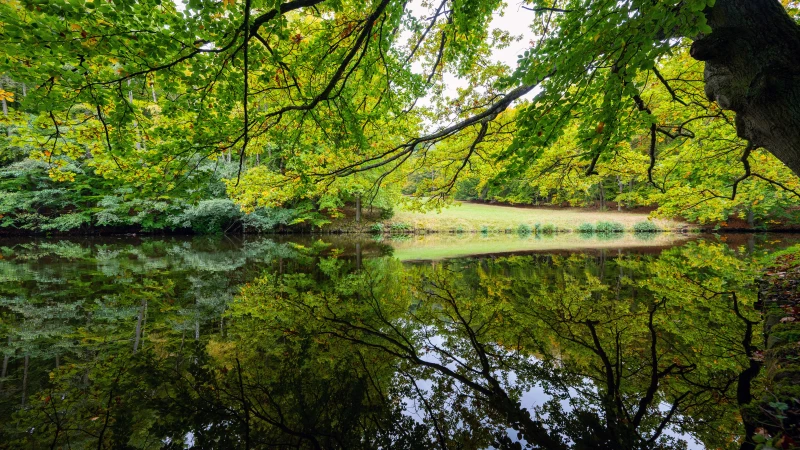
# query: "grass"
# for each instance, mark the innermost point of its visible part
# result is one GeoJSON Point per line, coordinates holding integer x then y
{"type": "Point", "coordinates": [440, 246]}
{"type": "Point", "coordinates": [474, 217]}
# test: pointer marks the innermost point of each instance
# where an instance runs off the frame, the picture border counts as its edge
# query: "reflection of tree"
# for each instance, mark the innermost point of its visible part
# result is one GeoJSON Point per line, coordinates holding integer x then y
{"type": "Point", "coordinates": [540, 351]}
{"type": "Point", "coordinates": [638, 371]}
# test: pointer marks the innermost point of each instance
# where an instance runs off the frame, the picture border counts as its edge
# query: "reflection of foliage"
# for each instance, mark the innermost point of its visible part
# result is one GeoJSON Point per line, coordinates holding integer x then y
{"type": "Point", "coordinates": [582, 352]}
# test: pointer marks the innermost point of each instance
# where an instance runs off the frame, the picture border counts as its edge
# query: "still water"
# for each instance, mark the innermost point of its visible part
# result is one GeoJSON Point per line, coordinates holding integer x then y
{"type": "Point", "coordinates": [438, 342]}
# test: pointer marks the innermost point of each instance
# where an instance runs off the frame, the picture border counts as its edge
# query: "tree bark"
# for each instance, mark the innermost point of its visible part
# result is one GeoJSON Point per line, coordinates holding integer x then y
{"type": "Point", "coordinates": [752, 67]}
{"type": "Point", "coordinates": [358, 208]}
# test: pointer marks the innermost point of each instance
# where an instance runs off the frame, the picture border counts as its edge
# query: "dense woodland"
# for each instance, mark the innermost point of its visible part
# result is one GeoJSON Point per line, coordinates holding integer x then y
{"type": "Point", "coordinates": [222, 116]}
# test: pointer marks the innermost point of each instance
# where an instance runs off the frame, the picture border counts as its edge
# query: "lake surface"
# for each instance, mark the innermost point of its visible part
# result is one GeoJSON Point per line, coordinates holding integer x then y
{"type": "Point", "coordinates": [443, 341]}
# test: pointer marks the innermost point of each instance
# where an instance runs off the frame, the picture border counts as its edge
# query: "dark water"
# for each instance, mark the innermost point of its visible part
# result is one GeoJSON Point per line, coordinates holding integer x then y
{"type": "Point", "coordinates": [221, 343]}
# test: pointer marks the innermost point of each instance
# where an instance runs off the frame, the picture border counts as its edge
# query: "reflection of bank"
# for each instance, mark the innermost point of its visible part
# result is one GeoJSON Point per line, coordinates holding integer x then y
{"type": "Point", "coordinates": [444, 246]}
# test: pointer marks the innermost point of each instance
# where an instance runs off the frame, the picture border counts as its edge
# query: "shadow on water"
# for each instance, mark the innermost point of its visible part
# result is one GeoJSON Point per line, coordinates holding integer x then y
{"type": "Point", "coordinates": [262, 343]}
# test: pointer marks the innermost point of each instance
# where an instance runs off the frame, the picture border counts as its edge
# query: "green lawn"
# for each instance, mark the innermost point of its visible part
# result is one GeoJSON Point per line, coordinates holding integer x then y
{"type": "Point", "coordinates": [473, 217]}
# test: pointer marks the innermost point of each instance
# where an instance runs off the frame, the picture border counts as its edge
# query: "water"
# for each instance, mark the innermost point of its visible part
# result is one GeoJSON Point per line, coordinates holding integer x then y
{"type": "Point", "coordinates": [393, 343]}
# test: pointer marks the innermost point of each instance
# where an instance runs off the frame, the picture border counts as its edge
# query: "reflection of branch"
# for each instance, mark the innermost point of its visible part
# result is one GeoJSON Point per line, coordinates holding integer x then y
{"type": "Point", "coordinates": [517, 417]}
{"type": "Point", "coordinates": [241, 389]}
{"type": "Point", "coordinates": [744, 394]}
{"type": "Point", "coordinates": [428, 409]}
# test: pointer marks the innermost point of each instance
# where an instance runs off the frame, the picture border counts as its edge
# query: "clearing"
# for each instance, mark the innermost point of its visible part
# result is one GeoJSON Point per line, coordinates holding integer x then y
{"type": "Point", "coordinates": [474, 217]}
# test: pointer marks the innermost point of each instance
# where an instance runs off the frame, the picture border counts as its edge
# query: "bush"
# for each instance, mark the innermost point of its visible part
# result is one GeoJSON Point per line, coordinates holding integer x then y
{"type": "Point", "coordinates": [386, 213]}
{"type": "Point", "coordinates": [376, 228]}
{"type": "Point", "coordinates": [208, 216]}
{"type": "Point", "coordinates": [484, 229]}
{"type": "Point", "coordinates": [548, 228]}
{"type": "Point", "coordinates": [646, 227]}
{"type": "Point", "coordinates": [524, 229]}
{"type": "Point", "coordinates": [609, 227]}
{"type": "Point", "coordinates": [459, 229]}
{"type": "Point", "coordinates": [266, 219]}
{"type": "Point", "coordinates": [585, 228]}
{"type": "Point", "coordinates": [537, 228]}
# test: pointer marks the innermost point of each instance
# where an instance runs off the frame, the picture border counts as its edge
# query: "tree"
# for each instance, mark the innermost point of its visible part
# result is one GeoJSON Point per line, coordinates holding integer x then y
{"type": "Point", "coordinates": [752, 57]}
{"type": "Point", "coordinates": [326, 78]}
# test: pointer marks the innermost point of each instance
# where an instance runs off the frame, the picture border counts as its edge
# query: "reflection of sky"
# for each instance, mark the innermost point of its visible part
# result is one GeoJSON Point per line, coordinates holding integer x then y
{"type": "Point", "coordinates": [530, 399]}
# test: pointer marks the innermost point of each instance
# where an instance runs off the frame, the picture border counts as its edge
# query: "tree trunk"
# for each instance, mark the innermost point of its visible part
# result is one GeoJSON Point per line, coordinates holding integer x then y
{"type": "Point", "coordinates": [752, 68]}
{"type": "Point", "coordinates": [358, 208]}
{"type": "Point", "coordinates": [602, 197]}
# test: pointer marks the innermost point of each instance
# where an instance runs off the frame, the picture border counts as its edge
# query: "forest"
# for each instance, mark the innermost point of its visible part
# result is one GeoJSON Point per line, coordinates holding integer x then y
{"type": "Point", "coordinates": [257, 116]}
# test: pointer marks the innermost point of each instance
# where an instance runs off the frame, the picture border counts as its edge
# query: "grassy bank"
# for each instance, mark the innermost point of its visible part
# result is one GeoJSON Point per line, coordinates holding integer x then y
{"type": "Point", "coordinates": [474, 217]}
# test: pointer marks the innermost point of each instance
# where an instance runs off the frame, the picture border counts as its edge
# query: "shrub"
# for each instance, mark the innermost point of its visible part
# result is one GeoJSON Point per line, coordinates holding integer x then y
{"type": "Point", "coordinates": [459, 229]}
{"type": "Point", "coordinates": [548, 228]}
{"type": "Point", "coordinates": [646, 227]}
{"type": "Point", "coordinates": [524, 229]}
{"type": "Point", "coordinates": [266, 219]}
{"type": "Point", "coordinates": [537, 228]}
{"type": "Point", "coordinates": [386, 213]}
{"type": "Point", "coordinates": [66, 222]}
{"type": "Point", "coordinates": [484, 229]}
{"type": "Point", "coordinates": [376, 228]}
{"type": "Point", "coordinates": [208, 216]}
{"type": "Point", "coordinates": [609, 227]}
{"type": "Point", "coordinates": [585, 228]}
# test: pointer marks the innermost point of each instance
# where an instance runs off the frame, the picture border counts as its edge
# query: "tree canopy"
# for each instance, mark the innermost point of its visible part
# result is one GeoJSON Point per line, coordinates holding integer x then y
{"type": "Point", "coordinates": [315, 99]}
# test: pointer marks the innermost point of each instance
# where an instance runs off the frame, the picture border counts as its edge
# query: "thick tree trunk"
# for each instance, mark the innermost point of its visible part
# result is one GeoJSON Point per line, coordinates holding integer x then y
{"type": "Point", "coordinates": [752, 68]}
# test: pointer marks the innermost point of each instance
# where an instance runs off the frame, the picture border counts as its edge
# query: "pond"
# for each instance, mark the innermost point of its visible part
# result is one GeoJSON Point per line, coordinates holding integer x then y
{"type": "Point", "coordinates": [443, 341]}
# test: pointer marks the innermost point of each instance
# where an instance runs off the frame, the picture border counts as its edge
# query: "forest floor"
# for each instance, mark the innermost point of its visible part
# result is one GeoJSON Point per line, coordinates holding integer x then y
{"type": "Point", "coordinates": [477, 217]}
